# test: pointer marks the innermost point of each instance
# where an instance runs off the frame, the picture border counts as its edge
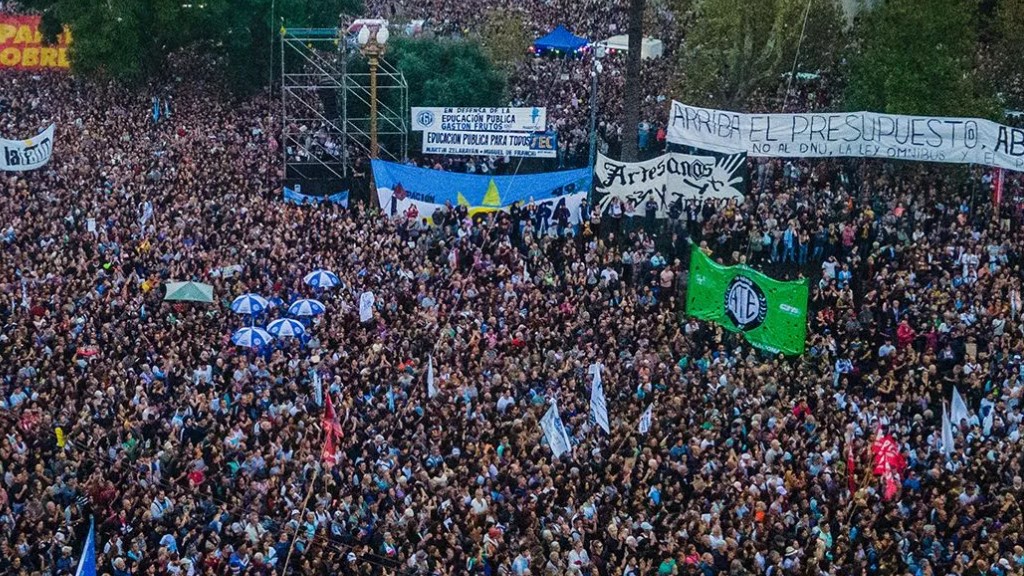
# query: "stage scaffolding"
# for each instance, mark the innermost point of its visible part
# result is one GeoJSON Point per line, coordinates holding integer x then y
{"type": "Point", "coordinates": [325, 103]}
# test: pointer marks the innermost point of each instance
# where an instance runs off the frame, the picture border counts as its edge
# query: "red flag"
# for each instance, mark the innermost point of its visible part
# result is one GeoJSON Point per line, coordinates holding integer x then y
{"type": "Point", "coordinates": [329, 453]}
{"type": "Point", "coordinates": [997, 189]}
{"type": "Point", "coordinates": [330, 419]}
{"type": "Point", "coordinates": [851, 479]}
{"type": "Point", "coordinates": [331, 429]}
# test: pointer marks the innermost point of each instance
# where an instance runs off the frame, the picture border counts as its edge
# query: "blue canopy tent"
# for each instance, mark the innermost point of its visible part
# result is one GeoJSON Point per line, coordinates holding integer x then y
{"type": "Point", "coordinates": [559, 41]}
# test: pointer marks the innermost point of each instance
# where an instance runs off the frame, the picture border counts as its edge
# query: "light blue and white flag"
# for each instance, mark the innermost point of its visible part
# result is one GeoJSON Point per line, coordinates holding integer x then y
{"type": "Point", "coordinates": [598, 402]}
{"type": "Point", "coordinates": [366, 300]}
{"type": "Point", "coordinates": [958, 408]}
{"type": "Point", "coordinates": [431, 387]}
{"type": "Point", "coordinates": [947, 433]}
{"type": "Point", "coordinates": [87, 562]}
{"type": "Point", "coordinates": [554, 431]}
{"type": "Point", "coordinates": [645, 419]}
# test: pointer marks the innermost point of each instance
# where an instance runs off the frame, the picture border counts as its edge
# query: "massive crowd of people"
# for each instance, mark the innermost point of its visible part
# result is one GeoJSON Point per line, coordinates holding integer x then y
{"type": "Point", "coordinates": [195, 456]}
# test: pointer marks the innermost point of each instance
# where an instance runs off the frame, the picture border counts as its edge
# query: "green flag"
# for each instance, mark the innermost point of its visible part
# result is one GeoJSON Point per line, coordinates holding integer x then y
{"type": "Point", "coordinates": [770, 314]}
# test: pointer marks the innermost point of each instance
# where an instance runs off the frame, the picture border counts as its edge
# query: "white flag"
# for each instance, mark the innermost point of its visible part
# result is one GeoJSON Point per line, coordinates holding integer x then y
{"type": "Point", "coordinates": [366, 301]}
{"type": "Point", "coordinates": [554, 431]}
{"type": "Point", "coordinates": [988, 412]}
{"type": "Point", "coordinates": [598, 403]}
{"type": "Point", "coordinates": [645, 420]}
{"type": "Point", "coordinates": [947, 433]}
{"type": "Point", "coordinates": [318, 387]}
{"type": "Point", "coordinates": [147, 213]}
{"type": "Point", "coordinates": [958, 408]}
{"type": "Point", "coordinates": [431, 388]}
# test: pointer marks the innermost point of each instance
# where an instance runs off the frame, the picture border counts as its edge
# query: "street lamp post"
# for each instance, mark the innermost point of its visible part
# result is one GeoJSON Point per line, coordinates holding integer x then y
{"type": "Point", "coordinates": [596, 69]}
{"type": "Point", "coordinates": [372, 45]}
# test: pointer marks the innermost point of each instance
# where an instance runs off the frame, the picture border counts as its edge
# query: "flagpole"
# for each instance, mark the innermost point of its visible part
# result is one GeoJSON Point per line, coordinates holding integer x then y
{"type": "Point", "coordinates": [305, 501]}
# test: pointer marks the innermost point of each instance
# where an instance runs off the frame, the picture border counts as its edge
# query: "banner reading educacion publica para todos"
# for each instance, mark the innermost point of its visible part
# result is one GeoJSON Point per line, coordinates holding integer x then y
{"type": "Point", "coordinates": [532, 119]}
{"type": "Point", "coordinates": [22, 155]}
{"type": "Point", "coordinates": [406, 189]}
{"type": "Point", "coordinates": [852, 134]}
{"type": "Point", "coordinates": [671, 180]}
{"type": "Point", "coordinates": [21, 45]}
{"type": "Point", "coordinates": [511, 144]}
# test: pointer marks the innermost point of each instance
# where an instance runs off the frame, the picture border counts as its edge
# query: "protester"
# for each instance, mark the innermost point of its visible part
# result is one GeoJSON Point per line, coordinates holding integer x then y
{"type": "Point", "coordinates": [195, 456]}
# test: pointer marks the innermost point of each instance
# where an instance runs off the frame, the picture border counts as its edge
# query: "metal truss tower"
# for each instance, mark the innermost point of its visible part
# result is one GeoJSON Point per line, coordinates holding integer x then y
{"type": "Point", "coordinates": [325, 103]}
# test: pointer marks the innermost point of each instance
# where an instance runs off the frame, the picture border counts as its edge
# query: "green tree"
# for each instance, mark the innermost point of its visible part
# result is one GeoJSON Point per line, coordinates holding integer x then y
{"type": "Point", "coordinates": [736, 46]}
{"type": "Point", "coordinates": [505, 38]}
{"type": "Point", "coordinates": [447, 72]}
{"type": "Point", "coordinates": [1005, 57]}
{"type": "Point", "coordinates": [918, 57]}
{"type": "Point", "coordinates": [129, 40]}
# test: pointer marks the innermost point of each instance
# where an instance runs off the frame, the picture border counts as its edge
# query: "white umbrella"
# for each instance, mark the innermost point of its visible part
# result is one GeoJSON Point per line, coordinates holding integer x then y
{"type": "Point", "coordinates": [322, 279]}
{"type": "Point", "coordinates": [251, 337]}
{"type": "Point", "coordinates": [251, 304]}
{"type": "Point", "coordinates": [306, 307]}
{"type": "Point", "coordinates": [286, 328]}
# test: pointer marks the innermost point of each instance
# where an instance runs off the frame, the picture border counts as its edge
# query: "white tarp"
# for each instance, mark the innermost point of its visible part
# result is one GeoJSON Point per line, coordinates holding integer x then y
{"type": "Point", "coordinates": [668, 179]}
{"type": "Point", "coordinates": [21, 155]}
{"type": "Point", "coordinates": [852, 134]}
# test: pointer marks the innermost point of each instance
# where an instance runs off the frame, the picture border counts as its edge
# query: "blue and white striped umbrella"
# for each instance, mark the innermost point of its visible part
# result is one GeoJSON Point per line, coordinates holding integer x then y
{"type": "Point", "coordinates": [251, 337]}
{"type": "Point", "coordinates": [306, 307]}
{"type": "Point", "coordinates": [251, 304]}
{"type": "Point", "coordinates": [286, 328]}
{"type": "Point", "coordinates": [322, 279]}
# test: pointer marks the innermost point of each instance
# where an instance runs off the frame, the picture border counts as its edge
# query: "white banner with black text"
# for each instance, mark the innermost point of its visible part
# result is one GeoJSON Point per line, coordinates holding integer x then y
{"type": "Point", "coordinates": [21, 155]}
{"type": "Point", "coordinates": [670, 179]}
{"type": "Point", "coordinates": [437, 119]}
{"type": "Point", "coordinates": [849, 134]}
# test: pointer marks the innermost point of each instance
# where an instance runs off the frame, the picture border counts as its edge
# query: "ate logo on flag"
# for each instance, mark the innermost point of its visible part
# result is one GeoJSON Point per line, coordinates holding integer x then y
{"type": "Point", "coordinates": [745, 303]}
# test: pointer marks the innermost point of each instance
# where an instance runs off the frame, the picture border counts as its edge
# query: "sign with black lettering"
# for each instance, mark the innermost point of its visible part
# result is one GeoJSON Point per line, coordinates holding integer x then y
{"type": "Point", "coordinates": [670, 180]}
{"type": "Point", "coordinates": [532, 119]}
{"type": "Point", "coordinates": [21, 155]}
{"type": "Point", "coordinates": [849, 134]}
{"type": "Point", "coordinates": [512, 144]}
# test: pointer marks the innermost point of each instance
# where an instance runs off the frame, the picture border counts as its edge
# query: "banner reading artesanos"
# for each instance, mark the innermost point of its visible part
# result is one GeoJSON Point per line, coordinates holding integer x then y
{"type": "Point", "coordinates": [22, 48]}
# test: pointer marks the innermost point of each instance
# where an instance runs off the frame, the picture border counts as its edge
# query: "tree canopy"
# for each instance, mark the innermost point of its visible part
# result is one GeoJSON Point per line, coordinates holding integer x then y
{"type": "Point", "coordinates": [919, 57]}
{"type": "Point", "coordinates": [129, 40]}
{"type": "Point", "coordinates": [735, 46]}
{"type": "Point", "coordinates": [444, 72]}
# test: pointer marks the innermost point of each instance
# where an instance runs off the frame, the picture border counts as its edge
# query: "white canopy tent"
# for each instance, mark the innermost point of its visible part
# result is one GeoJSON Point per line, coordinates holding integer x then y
{"type": "Point", "coordinates": [650, 48]}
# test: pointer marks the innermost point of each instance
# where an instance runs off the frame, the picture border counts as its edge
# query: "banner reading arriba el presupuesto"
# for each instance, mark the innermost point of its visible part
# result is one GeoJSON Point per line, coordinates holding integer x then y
{"type": "Point", "coordinates": [853, 134]}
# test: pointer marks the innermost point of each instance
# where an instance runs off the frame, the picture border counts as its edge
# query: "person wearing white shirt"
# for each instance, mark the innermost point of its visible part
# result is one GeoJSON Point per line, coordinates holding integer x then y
{"type": "Point", "coordinates": [505, 401]}
{"type": "Point", "coordinates": [479, 503]}
{"type": "Point", "coordinates": [160, 506]}
{"type": "Point", "coordinates": [579, 560]}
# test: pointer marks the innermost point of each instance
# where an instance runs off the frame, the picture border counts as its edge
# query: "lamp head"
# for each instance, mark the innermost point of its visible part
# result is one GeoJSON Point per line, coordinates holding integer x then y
{"type": "Point", "coordinates": [364, 35]}
{"type": "Point", "coordinates": [383, 34]}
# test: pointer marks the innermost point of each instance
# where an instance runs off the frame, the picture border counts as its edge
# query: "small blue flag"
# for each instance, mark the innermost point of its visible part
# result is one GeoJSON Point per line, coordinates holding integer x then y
{"type": "Point", "coordinates": [391, 398]}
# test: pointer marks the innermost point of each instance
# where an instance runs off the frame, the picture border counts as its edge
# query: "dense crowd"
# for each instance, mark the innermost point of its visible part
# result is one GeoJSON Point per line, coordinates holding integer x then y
{"type": "Point", "coordinates": [195, 456]}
